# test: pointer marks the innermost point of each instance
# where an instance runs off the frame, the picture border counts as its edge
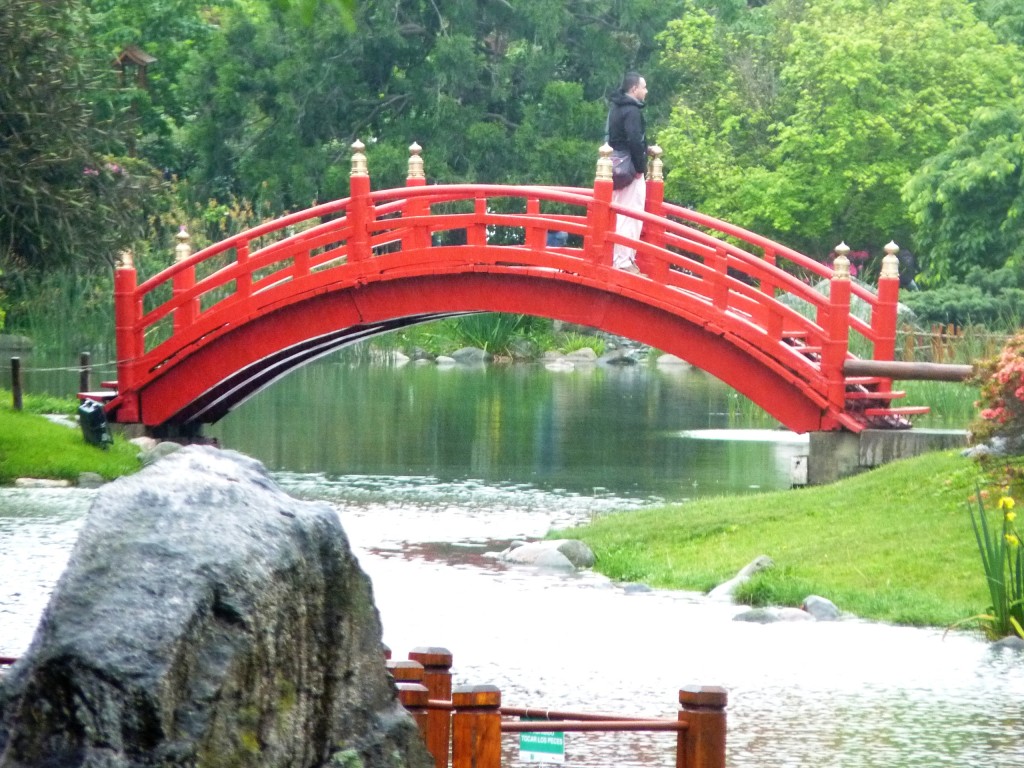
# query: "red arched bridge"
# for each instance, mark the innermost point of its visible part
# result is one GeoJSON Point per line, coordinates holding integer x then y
{"type": "Point", "coordinates": [208, 332]}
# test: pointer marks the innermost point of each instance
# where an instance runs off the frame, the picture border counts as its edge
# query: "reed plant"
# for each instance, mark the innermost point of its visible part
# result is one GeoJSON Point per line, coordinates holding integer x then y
{"type": "Point", "coordinates": [1002, 559]}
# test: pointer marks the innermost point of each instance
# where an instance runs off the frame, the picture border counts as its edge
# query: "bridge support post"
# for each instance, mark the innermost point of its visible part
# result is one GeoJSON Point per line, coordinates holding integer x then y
{"type": "Point", "coordinates": [360, 213]}
{"type": "Point", "coordinates": [184, 281]}
{"type": "Point", "coordinates": [835, 455]}
{"type": "Point", "coordinates": [883, 319]}
{"type": "Point", "coordinates": [127, 340]}
{"type": "Point", "coordinates": [654, 233]}
{"type": "Point", "coordinates": [837, 329]}
{"type": "Point", "coordinates": [419, 235]}
{"type": "Point", "coordinates": [596, 245]}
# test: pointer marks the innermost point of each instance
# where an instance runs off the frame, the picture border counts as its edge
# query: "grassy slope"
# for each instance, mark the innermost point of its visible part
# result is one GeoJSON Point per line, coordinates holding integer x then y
{"type": "Point", "coordinates": [31, 446]}
{"type": "Point", "coordinates": [893, 544]}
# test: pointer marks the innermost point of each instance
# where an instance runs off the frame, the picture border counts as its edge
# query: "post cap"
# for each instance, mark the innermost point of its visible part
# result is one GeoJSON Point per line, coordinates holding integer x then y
{"type": "Point", "coordinates": [604, 163]}
{"type": "Point", "coordinates": [415, 162]}
{"type": "Point", "coordinates": [841, 265]}
{"type": "Point", "coordinates": [432, 656]}
{"type": "Point", "coordinates": [890, 262]}
{"type": "Point", "coordinates": [409, 671]}
{"type": "Point", "coordinates": [476, 697]}
{"type": "Point", "coordinates": [711, 696]}
{"type": "Point", "coordinates": [359, 159]}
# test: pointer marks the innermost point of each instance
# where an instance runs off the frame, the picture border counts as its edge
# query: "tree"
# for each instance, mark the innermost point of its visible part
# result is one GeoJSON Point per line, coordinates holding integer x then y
{"type": "Point", "coordinates": [812, 137]}
{"type": "Point", "coordinates": [66, 194]}
{"type": "Point", "coordinates": [968, 201]}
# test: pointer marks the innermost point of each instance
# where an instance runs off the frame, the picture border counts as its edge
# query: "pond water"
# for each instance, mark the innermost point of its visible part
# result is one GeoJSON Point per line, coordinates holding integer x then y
{"type": "Point", "coordinates": [434, 470]}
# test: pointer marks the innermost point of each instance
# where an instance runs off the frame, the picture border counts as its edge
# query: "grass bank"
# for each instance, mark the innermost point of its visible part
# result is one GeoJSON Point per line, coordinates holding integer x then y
{"type": "Point", "coordinates": [32, 446]}
{"type": "Point", "coordinates": [894, 544]}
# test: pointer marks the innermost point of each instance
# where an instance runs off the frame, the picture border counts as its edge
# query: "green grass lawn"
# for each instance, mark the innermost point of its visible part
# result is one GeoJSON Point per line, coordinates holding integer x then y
{"type": "Point", "coordinates": [893, 544]}
{"type": "Point", "coordinates": [32, 446]}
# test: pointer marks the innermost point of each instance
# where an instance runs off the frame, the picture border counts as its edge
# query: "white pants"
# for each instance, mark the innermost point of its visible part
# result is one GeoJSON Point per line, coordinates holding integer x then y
{"type": "Point", "coordinates": [633, 196]}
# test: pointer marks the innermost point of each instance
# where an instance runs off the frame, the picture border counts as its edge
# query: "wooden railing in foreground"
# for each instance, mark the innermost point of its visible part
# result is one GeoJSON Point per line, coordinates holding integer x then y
{"type": "Point", "coordinates": [468, 721]}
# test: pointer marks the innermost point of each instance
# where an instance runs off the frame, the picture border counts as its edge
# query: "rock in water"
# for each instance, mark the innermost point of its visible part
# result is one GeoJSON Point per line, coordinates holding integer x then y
{"type": "Point", "coordinates": [206, 618]}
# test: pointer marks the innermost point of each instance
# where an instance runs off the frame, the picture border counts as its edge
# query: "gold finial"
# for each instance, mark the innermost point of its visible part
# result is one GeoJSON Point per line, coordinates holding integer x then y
{"type": "Point", "coordinates": [126, 259]}
{"type": "Point", "coordinates": [183, 249]}
{"type": "Point", "coordinates": [359, 159]}
{"type": "Point", "coordinates": [841, 265]}
{"type": "Point", "coordinates": [655, 168]}
{"type": "Point", "coordinates": [415, 161]}
{"type": "Point", "coordinates": [604, 162]}
{"type": "Point", "coordinates": [890, 262]}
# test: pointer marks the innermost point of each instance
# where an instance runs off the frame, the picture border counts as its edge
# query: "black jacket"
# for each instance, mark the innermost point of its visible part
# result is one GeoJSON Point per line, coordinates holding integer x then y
{"type": "Point", "coordinates": [626, 128]}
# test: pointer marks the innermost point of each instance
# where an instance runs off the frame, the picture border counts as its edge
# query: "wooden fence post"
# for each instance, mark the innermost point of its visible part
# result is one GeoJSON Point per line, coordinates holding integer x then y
{"type": "Point", "coordinates": [415, 697]}
{"type": "Point", "coordinates": [84, 371]}
{"type": "Point", "coordinates": [476, 727]}
{"type": "Point", "coordinates": [437, 676]}
{"type": "Point", "coordinates": [702, 744]}
{"type": "Point", "coordinates": [16, 383]}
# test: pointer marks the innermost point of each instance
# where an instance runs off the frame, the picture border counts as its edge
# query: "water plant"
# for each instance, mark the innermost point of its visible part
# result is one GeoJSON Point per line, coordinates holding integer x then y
{"type": "Point", "coordinates": [1002, 558]}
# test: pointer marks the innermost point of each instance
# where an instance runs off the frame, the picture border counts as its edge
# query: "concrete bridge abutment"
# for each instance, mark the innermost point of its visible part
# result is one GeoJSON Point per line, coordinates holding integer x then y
{"type": "Point", "coordinates": [835, 455]}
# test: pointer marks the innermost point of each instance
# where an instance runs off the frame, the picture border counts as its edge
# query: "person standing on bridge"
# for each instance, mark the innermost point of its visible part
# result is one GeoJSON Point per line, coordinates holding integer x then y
{"type": "Point", "coordinates": [627, 131]}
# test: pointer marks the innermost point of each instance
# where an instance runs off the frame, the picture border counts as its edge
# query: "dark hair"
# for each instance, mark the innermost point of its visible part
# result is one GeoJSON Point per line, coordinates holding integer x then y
{"type": "Point", "coordinates": [629, 81]}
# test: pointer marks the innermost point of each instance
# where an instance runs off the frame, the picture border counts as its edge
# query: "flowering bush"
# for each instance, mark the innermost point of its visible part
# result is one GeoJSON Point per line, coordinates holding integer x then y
{"type": "Point", "coordinates": [1001, 402]}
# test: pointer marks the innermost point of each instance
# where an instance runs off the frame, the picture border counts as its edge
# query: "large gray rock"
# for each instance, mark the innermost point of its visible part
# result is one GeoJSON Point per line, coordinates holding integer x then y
{"type": "Point", "coordinates": [206, 618]}
{"type": "Point", "coordinates": [551, 553]}
{"type": "Point", "coordinates": [727, 589]}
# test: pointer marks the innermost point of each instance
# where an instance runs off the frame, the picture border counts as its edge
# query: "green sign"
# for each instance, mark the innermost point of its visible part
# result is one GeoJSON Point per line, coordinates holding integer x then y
{"type": "Point", "coordinates": [535, 747]}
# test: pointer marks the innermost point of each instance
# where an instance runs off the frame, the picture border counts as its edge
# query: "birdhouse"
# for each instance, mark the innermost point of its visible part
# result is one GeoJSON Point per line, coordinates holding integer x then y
{"type": "Point", "coordinates": [133, 61]}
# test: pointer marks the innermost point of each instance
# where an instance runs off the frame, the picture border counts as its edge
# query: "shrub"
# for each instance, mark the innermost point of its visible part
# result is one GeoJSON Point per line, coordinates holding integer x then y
{"type": "Point", "coordinates": [1001, 400]}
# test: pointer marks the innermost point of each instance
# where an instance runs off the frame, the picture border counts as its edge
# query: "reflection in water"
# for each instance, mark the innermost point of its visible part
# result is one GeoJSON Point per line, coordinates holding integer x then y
{"type": "Point", "coordinates": [592, 430]}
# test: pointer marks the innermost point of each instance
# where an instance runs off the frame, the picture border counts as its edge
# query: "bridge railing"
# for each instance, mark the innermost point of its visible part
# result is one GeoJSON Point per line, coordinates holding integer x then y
{"type": "Point", "coordinates": [723, 275]}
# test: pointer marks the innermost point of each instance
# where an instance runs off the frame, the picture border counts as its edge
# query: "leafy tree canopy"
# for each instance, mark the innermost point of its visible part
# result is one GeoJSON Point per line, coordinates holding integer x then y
{"type": "Point", "coordinates": [804, 120]}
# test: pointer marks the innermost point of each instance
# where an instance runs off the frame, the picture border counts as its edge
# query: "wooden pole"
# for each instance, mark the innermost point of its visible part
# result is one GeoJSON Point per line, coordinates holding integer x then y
{"type": "Point", "coordinates": [437, 676]}
{"type": "Point", "coordinates": [702, 744]}
{"type": "Point", "coordinates": [908, 370]}
{"type": "Point", "coordinates": [84, 371]}
{"type": "Point", "coordinates": [16, 382]}
{"type": "Point", "coordinates": [476, 727]}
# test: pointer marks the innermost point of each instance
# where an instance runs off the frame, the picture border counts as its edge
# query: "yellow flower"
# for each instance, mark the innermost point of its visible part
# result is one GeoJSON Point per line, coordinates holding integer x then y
{"type": "Point", "coordinates": [1012, 540]}
{"type": "Point", "coordinates": [1010, 516]}
{"type": "Point", "coordinates": [1006, 502]}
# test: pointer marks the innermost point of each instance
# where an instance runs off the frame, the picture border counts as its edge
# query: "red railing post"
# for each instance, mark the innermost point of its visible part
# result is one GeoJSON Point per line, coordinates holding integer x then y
{"type": "Point", "coordinates": [476, 727]}
{"type": "Point", "coordinates": [702, 744]}
{"type": "Point", "coordinates": [883, 317]}
{"type": "Point", "coordinates": [596, 245]}
{"type": "Point", "coordinates": [127, 337]}
{"type": "Point", "coordinates": [360, 213]}
{"type": "Point", "coordinates": [655, 204]}
{"type": "Point", "coordinates": [437, 677]}
{"type": "Point", "coordinates": [419, 235]}
{"type": "Point", "coordinates": [837, 328]}
{"type": "Point", "coordinates": [183, 282]}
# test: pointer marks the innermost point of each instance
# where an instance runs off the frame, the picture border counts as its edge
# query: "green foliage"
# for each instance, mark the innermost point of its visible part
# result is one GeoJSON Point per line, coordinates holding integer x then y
{"type": "Point", "coordinates": [68, 194]}
{"type": "Point", "coordinates": [1002, 559]}
{"type": "Point", "coordinates": [31, 446]}
{"type": "Point", "coordinates": [1001, 400]}
{"type": "Point", "coordinates": [968, 200]}
{"type": "Point", "coordinates": [790, 123]}
{"type": "Point", "coordinates": [989, 297]}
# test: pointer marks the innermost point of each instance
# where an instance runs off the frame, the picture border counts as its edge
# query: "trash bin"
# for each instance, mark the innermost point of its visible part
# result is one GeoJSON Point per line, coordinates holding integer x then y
{"type": "Point", "coordinates": [94, 424]}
